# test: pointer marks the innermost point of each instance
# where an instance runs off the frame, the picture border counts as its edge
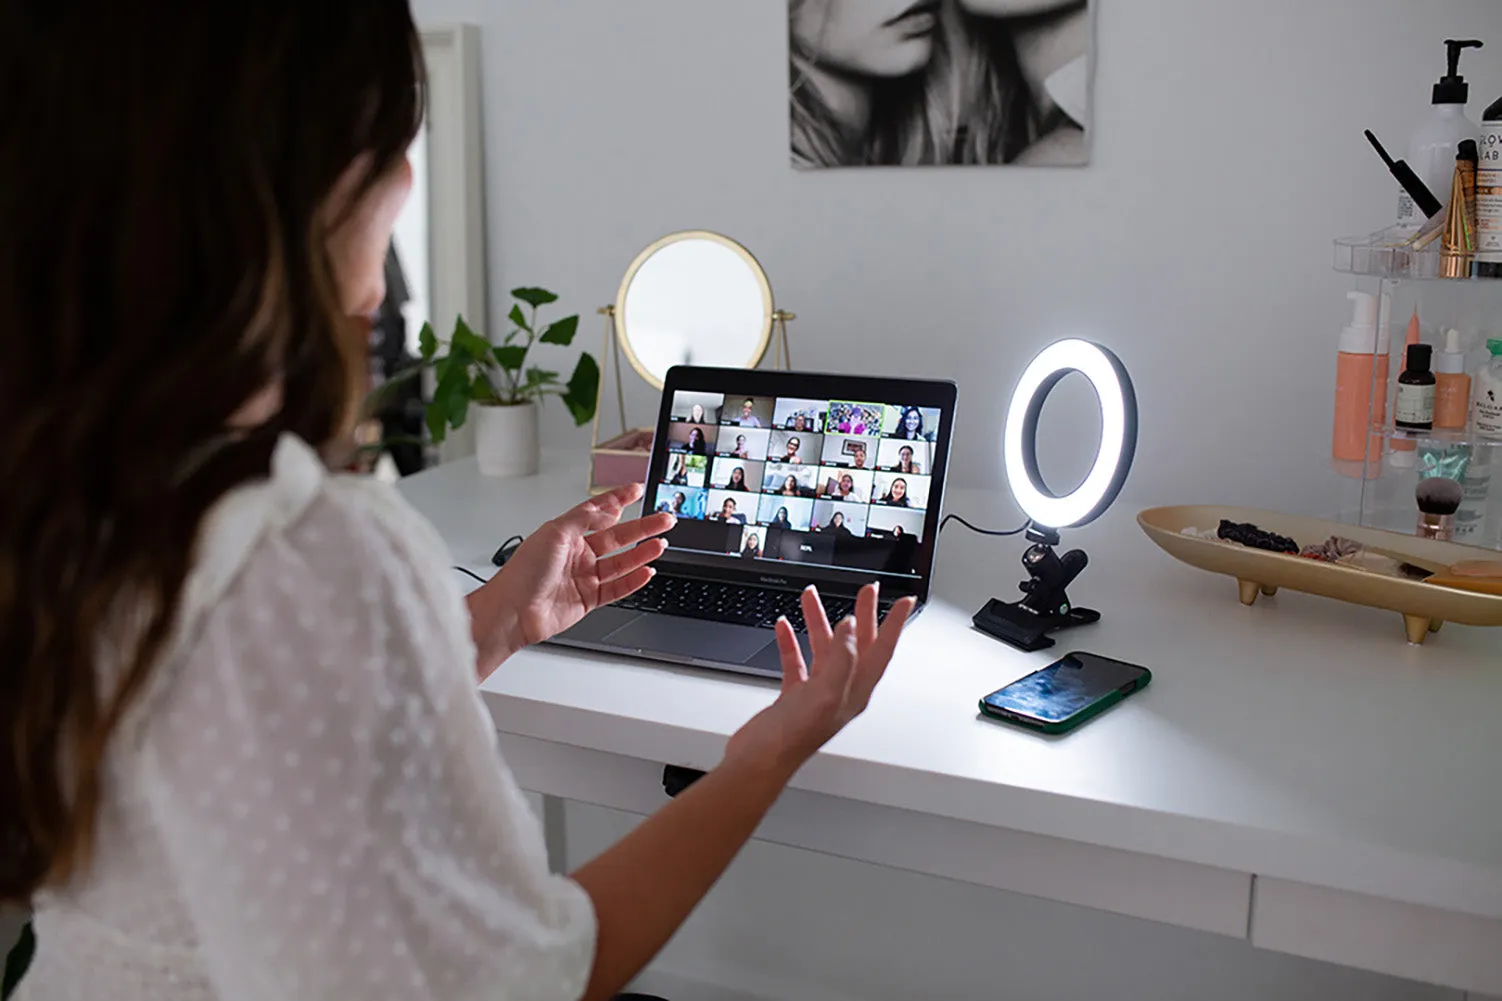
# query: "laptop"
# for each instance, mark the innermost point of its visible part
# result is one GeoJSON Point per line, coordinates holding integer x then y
{"type": "Point", "coordinates": [779, 480]}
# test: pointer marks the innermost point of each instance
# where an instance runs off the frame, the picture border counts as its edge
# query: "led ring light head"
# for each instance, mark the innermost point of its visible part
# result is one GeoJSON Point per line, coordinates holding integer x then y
{"type": "Point", "coordinates": [1118, 434]}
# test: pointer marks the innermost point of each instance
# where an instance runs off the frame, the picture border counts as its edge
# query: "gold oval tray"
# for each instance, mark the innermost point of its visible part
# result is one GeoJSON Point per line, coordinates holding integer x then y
{"type": "Point", "coordinates": [1424, 607]}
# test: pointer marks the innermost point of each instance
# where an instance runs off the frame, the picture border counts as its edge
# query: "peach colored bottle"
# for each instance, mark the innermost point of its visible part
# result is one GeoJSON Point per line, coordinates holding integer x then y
{"type": "Point", "coordinates": [1452, 398]}
{"type": "Point", "coordinates": [1361, 369]}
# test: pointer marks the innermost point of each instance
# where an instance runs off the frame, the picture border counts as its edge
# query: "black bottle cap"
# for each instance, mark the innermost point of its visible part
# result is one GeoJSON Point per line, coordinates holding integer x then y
{"type": "Point", "coordinates": [1452, 88]}
{"type": "Point", "coordinates": [1467, 151]}
{"type": "Point", "coordinates": [1419, 358]}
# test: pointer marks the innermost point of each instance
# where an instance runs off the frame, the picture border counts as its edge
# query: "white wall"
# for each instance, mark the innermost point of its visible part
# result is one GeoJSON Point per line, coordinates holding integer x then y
{"type": "Point", "coordinates": [1227, 155]}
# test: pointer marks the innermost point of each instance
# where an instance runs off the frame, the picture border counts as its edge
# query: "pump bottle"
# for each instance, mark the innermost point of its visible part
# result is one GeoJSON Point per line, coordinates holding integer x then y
{"type": "Point", "coordinates": [1361, 370]}
{"type": "Point", "coordinates": [1431, 149]}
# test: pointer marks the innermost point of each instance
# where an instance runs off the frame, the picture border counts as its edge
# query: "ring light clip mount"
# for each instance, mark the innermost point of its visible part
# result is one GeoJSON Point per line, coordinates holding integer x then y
{"type": "Point", "coordinates": [1046, 607]}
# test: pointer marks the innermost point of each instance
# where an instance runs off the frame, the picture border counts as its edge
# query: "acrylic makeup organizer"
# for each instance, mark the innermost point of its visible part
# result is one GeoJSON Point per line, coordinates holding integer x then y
{"type": "Point", "coordinates": [1379, 491]}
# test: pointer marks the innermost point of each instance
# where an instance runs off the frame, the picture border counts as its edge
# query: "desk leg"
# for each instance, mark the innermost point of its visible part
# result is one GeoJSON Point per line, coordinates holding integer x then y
{"type": "Point", "coordinates": [554, 833]}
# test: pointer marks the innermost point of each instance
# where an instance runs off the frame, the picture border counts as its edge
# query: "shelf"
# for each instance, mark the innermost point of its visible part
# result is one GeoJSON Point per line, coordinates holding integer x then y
{"type": "Point", "coordinates": [1440, 437]}
{"type": "Point", "coordinates": [1385, 255]}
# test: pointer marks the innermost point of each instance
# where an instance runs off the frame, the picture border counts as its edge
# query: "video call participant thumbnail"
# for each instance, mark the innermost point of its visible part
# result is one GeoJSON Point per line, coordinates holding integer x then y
{"type": "Point", "coordinates": [911, 423]}
{"type": "Point", "coordinates": [793, 414]}
{"type": "Point", "coordinates": [896, 455]}
{"type": "Point", "coordinates": [897, 490]}
{"type": "Point", "coordinates": [840, 519]}
{"type": "Point", "coordinates": [790, 481]}
{"type": "Point", "coordinates": [794, 447]}
{"type": "Point", "coordinates": [791, 514]}
{"type": "Point", "coordinates": [730, 507]}
{"type": "Point", "coordinates": [799, 547]}
{"type": "Point", "coordinates": [685, 470]}
{"type": "Point", "coordinates": [685, 502]}
{"type": "Point", "coordinates": [750, 544]}
{"type": "Point", "coordinates": [847, 450]}
{"type": "Point", "coordinates": [846, 417]}
{"type": "Point", "coordinates": [696, 408]}
{"type": "Point", "coordinates": [894, 522]}
{"type": "Point", "coordinates": [747, 411]}
{"type": "Point", "coordinates": [842, 484]}
{"type": "Point", "coordinates": [742, 443]}
{"type": "Point", "coordinates": [736, 474]}
{"type": "Point", "coordinates": [691, 438]}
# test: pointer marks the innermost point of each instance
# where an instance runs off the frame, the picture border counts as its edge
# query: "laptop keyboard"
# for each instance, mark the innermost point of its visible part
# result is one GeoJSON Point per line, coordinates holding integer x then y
{"type": "Point", "coordinates": [740, 604]}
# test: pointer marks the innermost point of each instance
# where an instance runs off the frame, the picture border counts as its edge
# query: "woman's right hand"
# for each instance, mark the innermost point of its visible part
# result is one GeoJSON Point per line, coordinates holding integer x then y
{"type": "Point", "coordinates": [818, 699]}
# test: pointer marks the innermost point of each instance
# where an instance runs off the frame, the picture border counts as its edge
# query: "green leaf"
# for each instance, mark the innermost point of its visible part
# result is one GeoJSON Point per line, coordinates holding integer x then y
{"type": "Point", "coordinates": [519, 318]}
{"type": "Point", "coordinates": [561, 332]}
{"type": "Point", "coordinates": [427, 342]}
{"type": "Point", "coordinates": [534, 297]}
{"type": "Point", "coordinates": [450, 403]}
{"type": "Point", "coordinates": [539, 377]}
{"type": "Point", "coordinates": [583, 390]}
{"type": "Point", "coordinates": [472, 343]}
{"type": "Point", "coordinates": [510, 358]}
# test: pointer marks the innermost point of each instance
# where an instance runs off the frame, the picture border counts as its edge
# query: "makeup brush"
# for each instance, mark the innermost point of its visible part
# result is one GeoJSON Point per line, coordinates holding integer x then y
{"type": "Point", "coordinates": [1438, 500]}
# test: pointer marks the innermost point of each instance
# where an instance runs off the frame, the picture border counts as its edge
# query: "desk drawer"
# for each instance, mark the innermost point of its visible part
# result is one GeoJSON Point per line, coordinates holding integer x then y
{"type": "Point", "coordinates": [1405, 940]}
{"type": "Point", "coordinates": [1144, 886]}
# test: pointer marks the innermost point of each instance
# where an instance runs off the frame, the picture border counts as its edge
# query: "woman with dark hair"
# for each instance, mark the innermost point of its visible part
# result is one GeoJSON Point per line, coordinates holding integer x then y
{"type": "Point", "coordinates": [739, 451]}
{"type": "Point", "coordinates": [910, 425]}
{"type": "Point", "coordinates": [696, 441]}
{"type": "Point", "coordinates": [790, 487]}
{"type": "Point", "coordinates": [242, 752]}
{"type": "Point", "coordinates": [896, 494]}
{"type": "Point", "coordinates": [678, 476]}
{"type": "Point", "coordinates": [905, 463]}
{"type": "Point", "coordinates": [899, 82]}
{"type": "Point", "coordinates": [752, 548]}
{"type": "Point", "coordinates": [836, 524]}
{"type": "Point", "coordinates": [737, 479]}
{"type": "Point", "coordinates": [782, 520]}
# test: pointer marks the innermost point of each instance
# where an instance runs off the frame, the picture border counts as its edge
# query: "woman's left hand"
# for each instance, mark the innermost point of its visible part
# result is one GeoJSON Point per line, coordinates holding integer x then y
{"type": "Point", "coordinates": [567, 568]}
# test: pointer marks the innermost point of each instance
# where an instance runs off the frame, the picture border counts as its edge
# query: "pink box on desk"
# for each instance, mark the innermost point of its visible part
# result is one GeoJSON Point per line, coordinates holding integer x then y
{"type": "Point", "coordinates": [623, 459]}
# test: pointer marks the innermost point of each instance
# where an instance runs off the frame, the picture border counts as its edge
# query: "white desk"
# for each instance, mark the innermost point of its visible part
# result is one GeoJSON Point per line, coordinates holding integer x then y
{"type": "Point", "coordinates": [1296, 774]}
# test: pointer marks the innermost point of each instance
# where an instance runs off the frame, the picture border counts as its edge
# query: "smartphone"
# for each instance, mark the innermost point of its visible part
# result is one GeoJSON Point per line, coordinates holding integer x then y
{"type": "Point", "coordinates": [1066, 693]}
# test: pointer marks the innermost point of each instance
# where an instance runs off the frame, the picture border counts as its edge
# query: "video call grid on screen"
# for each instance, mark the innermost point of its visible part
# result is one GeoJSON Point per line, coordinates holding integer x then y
{"type": "Point", "coordinates": [764, 467]}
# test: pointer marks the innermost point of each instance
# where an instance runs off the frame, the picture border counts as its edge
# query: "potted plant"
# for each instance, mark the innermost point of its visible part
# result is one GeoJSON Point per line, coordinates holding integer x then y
{"type": "Point", "coordinates": [506, 390]}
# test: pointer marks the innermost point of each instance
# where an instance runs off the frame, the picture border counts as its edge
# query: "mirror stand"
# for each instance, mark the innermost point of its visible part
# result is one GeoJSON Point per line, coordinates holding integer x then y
{"type": "Point", "coordinates": [782, 355]}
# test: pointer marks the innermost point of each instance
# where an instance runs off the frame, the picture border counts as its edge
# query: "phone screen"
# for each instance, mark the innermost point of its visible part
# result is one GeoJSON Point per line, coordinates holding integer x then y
{"type": "Point", "coordinates": [1066, 687]}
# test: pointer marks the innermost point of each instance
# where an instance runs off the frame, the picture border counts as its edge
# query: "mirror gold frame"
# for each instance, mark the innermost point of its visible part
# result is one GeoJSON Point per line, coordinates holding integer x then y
{"type": "Point", "coordinates": [768, 312]}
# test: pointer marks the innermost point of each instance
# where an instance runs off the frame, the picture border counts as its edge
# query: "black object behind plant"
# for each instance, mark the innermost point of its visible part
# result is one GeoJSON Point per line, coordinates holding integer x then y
{"type": "Point", "coordinates": [18, 961]}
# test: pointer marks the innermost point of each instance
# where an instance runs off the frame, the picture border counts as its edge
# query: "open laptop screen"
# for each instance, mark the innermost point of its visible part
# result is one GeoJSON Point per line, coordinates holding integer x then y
{"type": "Point", "coordinates": [788, 475]}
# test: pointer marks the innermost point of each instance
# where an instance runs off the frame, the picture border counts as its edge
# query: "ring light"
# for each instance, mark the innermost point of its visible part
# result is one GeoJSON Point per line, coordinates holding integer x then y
{"type": "Point", "coordinates": [1046, 607]}
{"type": "Point", "coordinates": [1118, 434]}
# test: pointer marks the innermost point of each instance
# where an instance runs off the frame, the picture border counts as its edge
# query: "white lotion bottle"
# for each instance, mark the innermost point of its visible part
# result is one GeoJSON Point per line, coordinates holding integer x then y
{"type": "Point", "coordinates": [1431, 148]}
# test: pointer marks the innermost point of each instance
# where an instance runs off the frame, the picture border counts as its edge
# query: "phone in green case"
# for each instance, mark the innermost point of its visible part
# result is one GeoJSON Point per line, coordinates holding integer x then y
{"type": "Point", "coordinates": [1066, 693]}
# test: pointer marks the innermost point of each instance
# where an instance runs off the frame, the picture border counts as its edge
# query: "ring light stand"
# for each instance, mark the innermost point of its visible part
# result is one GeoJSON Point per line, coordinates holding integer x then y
{"type": "Point", "coordinates": [1046, 608]}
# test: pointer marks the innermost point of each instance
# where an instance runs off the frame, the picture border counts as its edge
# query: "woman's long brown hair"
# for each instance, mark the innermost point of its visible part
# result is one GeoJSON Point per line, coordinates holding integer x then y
{"type": "Point", "coordinates": [165, 172]}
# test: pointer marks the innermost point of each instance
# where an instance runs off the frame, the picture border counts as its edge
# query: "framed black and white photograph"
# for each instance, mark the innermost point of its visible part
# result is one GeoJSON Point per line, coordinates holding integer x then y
{"type": "Point", "coordinates": [939, 82]}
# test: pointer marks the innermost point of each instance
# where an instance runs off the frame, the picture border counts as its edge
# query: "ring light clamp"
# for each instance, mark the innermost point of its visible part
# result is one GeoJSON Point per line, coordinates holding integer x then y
{"type": "Point", "coordinates": [1046, 607]}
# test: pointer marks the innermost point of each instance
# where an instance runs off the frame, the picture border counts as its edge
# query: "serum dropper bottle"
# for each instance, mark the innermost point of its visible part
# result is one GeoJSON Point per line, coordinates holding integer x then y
{"type": "Point", "coordinates": [1414, 407]}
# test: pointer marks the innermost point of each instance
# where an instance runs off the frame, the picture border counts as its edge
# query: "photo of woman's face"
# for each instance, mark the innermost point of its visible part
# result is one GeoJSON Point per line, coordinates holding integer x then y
{"type": "Point", "coordinates": [875, 38]}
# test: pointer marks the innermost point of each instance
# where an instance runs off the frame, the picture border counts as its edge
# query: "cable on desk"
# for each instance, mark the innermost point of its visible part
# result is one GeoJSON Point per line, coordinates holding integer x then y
{"type": "Point", "coordinates": [471, 573]}
{"type": "Point", "coordinates": [981, 531]}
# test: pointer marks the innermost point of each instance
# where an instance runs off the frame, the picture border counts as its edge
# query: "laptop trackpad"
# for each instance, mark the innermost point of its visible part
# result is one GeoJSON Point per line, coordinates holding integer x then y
{"type": "Point", "coordinates": [696, 638]}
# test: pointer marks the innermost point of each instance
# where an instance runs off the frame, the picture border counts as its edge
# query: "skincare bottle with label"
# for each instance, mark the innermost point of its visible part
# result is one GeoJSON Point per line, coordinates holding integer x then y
{"type": "Point", "coordinates": [1489, 195]}
{"type": "Point", "coordinates": [1414, 407]}
{"type": "Point", "coordinates": [1452, 387]}
{"type": "Point", "coordinates": [1361, 368]}
{"type": "Point", "coordinates": [1431, 150]}
{"type": "Point", "coordinates": [1486, 412]}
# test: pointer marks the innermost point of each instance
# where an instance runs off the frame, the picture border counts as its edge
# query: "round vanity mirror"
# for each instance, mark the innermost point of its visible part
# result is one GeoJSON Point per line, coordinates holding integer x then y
{"type": "Point", "coordinates": [693, 298]}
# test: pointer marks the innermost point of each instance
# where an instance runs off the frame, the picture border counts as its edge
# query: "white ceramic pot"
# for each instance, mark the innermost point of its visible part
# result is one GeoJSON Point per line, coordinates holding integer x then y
{"type": "Point", "coordinates": [506, 439]}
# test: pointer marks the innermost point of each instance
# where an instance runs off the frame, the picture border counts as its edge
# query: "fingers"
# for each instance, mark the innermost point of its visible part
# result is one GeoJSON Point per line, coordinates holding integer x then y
{"type": "Point", "coordinates": [794, 671]}
{"type": "Point", "coordinates": [602, 511]}
{"type": "Point", "coordinates": [629, 561]}
{"type": "Point", "coordinates": [875, 658]}
{"type": "Point", "coordinates": [865, 616]}
{"type": "Point", "coordinates": [816, 621]}
{"type": "Point", "coordinates": [621, 586]}
{"type": "Point", "coordinates": [834, 666]}
{"type": "Point", "coordinates": [629, 534]}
